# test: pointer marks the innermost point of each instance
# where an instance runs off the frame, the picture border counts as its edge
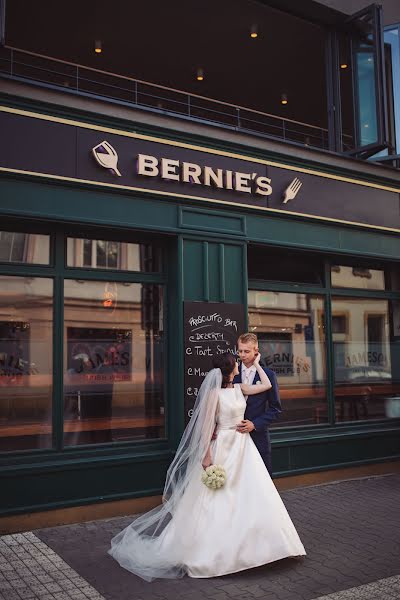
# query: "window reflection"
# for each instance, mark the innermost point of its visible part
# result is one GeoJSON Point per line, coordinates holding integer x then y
{"type": "Point", "coordinates": [25, 362]}
{"type": "Point", "coordinates": [24, 248]}
{"type": "Point", "coordinates": [357, 277]}
{"type": "Point", "coordinates": [105, 254]}
{"type": "Point", "coordinates": [365, 372]}
{"type": "Point", "coordinates": [113, 384]}
{"type": "Point", "coordinates": [290, 331]}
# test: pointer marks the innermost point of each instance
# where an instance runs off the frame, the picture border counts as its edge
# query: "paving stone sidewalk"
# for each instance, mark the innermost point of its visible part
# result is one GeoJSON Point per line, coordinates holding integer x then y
{"type": "Point", "coordinates": [350, 529]}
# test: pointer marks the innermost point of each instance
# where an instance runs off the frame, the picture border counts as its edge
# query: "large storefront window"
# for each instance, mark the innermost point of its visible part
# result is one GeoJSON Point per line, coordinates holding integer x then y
{"type": "Point", "coordinates": [81, 359]}
{"type": "Point", "coordinates": [335, 351]}
{"type": "Point", "coordinates": [290, 331]}
{"type": "Point", "coordinates": [365, 367]}
{"type": "Point", "coordinates": [26, 333]}
{"type": "Point", "coordinates": [113, 362]}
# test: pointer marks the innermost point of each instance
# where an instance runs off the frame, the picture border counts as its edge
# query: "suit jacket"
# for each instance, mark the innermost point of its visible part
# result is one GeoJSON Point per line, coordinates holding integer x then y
{"type": "Point", "coordinates": [264, 408]}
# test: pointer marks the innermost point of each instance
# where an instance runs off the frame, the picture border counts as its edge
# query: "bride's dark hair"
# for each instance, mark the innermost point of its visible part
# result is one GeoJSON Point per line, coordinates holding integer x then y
{"type": "Point", "coordinates": [225, 362]}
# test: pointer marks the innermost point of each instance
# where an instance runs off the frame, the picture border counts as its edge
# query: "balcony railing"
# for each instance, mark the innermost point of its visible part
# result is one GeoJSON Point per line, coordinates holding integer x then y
{"type": "Point", "coordinates": [78, 79]}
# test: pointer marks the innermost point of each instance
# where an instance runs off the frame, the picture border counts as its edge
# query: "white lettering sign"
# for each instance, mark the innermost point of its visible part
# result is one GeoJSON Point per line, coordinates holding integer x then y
{"type": "Point", "coordinates": [186, 172]}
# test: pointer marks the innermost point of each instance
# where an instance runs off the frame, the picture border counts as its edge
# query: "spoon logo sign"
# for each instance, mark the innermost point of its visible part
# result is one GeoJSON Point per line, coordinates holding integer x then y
{"type": "Point", "coordinates": [107, 157]}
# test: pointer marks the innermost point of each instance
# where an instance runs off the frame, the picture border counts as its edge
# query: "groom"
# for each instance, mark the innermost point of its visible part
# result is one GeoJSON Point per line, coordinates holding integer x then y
{"type": "Point", "coordinates": [262, 408]}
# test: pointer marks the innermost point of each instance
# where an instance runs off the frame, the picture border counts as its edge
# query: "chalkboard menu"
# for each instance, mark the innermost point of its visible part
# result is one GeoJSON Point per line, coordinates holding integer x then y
{"type": "Point", "coordinates": [210, 328]}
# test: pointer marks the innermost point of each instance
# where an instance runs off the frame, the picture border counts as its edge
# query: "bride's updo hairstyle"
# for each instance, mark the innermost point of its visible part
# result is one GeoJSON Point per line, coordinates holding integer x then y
{"type": "Point", "coordinates": [225, 362]}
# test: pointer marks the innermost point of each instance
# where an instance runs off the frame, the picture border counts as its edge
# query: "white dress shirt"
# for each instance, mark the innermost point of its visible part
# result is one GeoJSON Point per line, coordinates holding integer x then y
{"type": "Point", "coordinates": [248, 374]}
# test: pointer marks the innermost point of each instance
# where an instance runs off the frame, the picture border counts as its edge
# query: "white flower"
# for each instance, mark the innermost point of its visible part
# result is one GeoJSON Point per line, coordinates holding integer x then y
{"type": "Point", "coordinates": [258, 382]}
{"type": "Point", "coordinates": [214, 477]}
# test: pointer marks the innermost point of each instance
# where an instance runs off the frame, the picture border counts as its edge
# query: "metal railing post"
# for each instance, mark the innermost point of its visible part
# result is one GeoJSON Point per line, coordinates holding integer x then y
{"type": "Point", "coordinates": [12, 62]}
{"type": "Point", "coordinates": [238, 117]}
{"type": "Point", "coordinates": [188, 98]}
{"type": "Point", "coordinates": [136, 92]}
{"type": "Point", "coordinates": [77, 78]}
{"type": "Point", "coordinates": [283, 129]}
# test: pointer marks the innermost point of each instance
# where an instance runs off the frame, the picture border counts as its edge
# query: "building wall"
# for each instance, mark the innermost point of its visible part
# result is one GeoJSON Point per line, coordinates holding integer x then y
{"type": "Point", "coordinates": [391, 8]}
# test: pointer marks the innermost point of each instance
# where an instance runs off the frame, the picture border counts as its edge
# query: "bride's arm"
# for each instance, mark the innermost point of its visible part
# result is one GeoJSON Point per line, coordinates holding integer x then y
{"type": "Point", "coordinates": [207, 461]}
{"type": "Point", "coordinates": [264, 384]}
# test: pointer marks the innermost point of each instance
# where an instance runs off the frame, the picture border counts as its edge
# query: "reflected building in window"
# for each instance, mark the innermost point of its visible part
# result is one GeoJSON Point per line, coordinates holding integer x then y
{"type": "Point", "coordinates": [290, 330]}
{"type": "Point", "coordinates": [26, 374]}
{"type": "Point", "coordinates": [113, 361]}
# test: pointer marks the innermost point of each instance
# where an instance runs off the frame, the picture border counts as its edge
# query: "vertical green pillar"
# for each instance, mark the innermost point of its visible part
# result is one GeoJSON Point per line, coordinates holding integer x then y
{"type": "Point", "coordinates": [214, 271]}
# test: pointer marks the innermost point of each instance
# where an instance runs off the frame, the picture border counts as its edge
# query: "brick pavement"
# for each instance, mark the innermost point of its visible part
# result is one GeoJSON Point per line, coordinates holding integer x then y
{"type": "Point", "coordinates": [351, 531]}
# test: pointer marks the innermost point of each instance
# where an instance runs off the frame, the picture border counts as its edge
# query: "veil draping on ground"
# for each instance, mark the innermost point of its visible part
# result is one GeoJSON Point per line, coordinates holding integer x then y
{"type": "Point", "coordinates": [140, 548]}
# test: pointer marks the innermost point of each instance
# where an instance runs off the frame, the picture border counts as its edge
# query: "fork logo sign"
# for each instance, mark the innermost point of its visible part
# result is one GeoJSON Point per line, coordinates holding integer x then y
{"type": "Point", "coordinates": [292, 190]}
{"type": "Point", "coordinates": [192, 173]}
{"type": "Point", "coordinates": [107, 157]}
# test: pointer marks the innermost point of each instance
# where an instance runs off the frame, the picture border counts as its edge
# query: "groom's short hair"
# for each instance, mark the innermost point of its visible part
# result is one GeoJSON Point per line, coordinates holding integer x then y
{"type": "Point", "coordinates": [247, 338]}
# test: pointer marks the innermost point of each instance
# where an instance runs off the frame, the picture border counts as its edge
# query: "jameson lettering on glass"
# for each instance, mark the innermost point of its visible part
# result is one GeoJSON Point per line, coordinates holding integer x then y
{"type": "Point", "coordinates": [187, 172]}
{"type": "Point", "coordinates": [210, 328]}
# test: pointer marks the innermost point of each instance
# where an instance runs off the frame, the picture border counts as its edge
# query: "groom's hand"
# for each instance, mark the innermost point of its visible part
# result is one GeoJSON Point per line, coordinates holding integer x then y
{"type": "Point", "coordinates": [245, 426]}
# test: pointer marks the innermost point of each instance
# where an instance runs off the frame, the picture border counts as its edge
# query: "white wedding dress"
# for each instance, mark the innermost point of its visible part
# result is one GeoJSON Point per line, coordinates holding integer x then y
{"type": "Point", "coordinates": [215, 532]}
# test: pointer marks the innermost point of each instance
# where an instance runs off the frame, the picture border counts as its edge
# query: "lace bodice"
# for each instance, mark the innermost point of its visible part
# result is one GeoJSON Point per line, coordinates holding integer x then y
{"type": "Point", "coordinates": [231, 407]}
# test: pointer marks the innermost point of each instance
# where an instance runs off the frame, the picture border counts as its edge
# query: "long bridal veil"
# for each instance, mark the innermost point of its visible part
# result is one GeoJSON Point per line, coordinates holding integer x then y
{"type": "Point", "coordinates": [141, 546]}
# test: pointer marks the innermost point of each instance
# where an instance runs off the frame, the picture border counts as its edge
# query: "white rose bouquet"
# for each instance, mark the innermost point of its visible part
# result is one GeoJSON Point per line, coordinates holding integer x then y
{"type": "Point", "coordinates": [214, 477]}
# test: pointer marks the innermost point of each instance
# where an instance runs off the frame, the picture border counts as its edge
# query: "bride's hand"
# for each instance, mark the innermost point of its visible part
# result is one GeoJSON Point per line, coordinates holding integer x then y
{"type": "Point", "coordinates": [206, 462]}
{"type": "Point", "coordinates": [257, 359]}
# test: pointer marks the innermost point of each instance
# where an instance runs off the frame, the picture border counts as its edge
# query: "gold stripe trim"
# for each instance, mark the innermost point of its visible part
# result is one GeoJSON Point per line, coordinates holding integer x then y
{"type": "Point", "coordinates": [187, 197]}
{"type": "Point", "coordinates": [157, 140]}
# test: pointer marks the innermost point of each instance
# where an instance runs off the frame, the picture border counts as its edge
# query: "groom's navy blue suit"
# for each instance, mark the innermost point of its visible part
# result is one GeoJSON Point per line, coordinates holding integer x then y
{"type": "Point", "coordinates": [262, 409]}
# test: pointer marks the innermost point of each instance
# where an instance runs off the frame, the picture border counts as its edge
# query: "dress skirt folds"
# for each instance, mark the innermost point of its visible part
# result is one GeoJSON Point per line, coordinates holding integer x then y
{"type": "Point", "coordinates": [215, 532]}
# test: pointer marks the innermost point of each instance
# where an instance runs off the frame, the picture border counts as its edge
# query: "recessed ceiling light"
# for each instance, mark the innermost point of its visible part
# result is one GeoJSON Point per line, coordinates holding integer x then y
{"type": "Point", "coordinates": [254, 31]}
{"type": "Point", "coordinates": [344, 65]}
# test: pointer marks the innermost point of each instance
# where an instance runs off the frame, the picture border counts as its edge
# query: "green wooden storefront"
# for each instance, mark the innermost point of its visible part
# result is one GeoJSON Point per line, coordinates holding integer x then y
{"type": "Point", "coordinates": [205, 247]}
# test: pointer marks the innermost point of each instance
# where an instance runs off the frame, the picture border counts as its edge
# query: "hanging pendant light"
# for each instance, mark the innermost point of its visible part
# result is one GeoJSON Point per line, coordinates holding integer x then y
{"type": "Point", "coordinates": [284, 99]}
{"type": "Point", "coordinates": [200, 74]}
{"type": "Point", "coordinates": [97, 47]}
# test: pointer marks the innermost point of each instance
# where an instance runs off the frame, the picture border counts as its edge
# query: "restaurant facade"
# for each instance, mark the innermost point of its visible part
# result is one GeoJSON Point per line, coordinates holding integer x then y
{"type": "Point", "coordinates": [135, 244]}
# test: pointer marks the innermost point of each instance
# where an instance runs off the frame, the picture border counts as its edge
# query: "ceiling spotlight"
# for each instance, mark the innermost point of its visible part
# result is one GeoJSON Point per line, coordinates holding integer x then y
{"type": "Point", "coordinates": [200, 74]}
{"type": "Point", "coordinates": [284, 99]}
{"type": "Point", "coordinates": [254, 31]}
{"type": "Point", "coordinates": [343, 65]}
{"type": "Point", "coordinates": [97, 47]}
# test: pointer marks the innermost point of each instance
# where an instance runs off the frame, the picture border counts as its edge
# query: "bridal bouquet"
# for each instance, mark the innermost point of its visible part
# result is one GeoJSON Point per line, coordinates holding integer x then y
{"type": "Point", "coordinates": [214, 477]}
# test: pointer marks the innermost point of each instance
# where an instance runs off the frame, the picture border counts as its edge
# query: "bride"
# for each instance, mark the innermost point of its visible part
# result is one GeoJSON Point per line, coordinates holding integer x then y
{"type": "Point", "coordinates": [205, 532]}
